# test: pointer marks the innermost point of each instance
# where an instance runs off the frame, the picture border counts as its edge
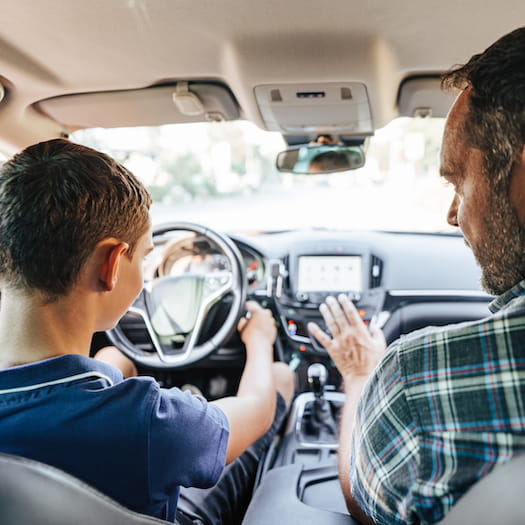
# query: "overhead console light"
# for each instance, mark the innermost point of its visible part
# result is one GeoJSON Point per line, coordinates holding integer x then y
{"type": "Point", "coordinates": [332, 107]}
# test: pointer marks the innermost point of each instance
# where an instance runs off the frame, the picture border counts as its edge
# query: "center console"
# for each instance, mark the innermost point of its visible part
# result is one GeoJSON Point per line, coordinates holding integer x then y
{"type": "Point", "coordinates": [303, 485]}
{"type": "Point", "coordinates": [311, 434]}
{"type": "Point", "coordinates": [300, 286]}
{"type": "Point", "coordinates": [310, 273]}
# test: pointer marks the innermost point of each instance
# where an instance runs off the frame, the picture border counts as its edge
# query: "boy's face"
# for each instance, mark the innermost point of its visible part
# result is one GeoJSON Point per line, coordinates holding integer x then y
{"type": "Point", "coordinates": [130, 277]}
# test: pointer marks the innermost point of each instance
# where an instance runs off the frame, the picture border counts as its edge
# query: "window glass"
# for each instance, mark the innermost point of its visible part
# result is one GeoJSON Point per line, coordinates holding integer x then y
{"type": "Point", "coordinates": [223, 175]}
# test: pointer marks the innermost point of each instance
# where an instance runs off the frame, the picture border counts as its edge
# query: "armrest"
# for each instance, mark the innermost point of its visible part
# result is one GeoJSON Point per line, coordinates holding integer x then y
{"type": "Point", "coordinates": [277, 498]}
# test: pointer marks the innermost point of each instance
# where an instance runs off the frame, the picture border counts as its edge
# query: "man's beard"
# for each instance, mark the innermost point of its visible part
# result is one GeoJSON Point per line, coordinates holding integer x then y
{"type": "Point", "coordinates": [501, 255]}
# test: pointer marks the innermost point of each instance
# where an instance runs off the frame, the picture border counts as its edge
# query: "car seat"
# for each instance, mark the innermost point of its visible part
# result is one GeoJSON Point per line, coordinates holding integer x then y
{"type": "Point", "coordinates": [35, 493]}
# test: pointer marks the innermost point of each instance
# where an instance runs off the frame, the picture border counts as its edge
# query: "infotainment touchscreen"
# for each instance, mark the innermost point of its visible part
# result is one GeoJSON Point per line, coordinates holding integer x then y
{"type": "Point", "coordinates": [327, 273]}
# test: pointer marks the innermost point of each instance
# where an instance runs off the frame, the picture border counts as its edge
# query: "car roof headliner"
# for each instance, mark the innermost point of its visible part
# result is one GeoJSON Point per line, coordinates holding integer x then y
{"type": "Point", "coordinates": [56, 47]}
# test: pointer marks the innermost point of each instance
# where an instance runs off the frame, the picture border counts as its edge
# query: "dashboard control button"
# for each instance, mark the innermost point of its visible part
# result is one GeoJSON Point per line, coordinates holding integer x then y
{"type": "Point", "coordinates": [302, 297]}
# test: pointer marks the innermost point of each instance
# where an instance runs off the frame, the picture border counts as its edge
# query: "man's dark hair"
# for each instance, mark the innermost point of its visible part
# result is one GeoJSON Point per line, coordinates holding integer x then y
{"type": "Point", "coordinates": [57, 201]}
{"type": "Point", "coordinates": [495, 122]}
{"type": "Point", "coordinates": [330, 161]}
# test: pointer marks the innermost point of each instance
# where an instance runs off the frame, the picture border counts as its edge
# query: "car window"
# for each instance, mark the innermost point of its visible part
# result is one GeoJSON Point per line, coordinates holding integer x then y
{"type": "Point", "coordinates": [223, 175]}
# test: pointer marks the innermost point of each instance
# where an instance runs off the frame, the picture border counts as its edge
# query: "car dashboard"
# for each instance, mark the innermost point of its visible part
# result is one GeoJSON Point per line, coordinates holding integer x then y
{"type": "Point", "coordinates": [401, 281]}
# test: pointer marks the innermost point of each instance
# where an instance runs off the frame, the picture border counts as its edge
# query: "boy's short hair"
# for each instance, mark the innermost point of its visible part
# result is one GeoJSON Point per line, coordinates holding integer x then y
{"type": "Point", "coordinates": [57, 201]}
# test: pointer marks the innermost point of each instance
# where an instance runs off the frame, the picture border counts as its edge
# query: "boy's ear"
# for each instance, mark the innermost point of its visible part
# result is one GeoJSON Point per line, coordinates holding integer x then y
{"type": "Point", "coordinates": [113, 251]}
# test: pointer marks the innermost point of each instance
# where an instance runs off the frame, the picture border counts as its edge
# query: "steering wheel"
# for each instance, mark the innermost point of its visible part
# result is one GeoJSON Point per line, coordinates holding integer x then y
{"type": "Point", "coordinates": [174, 309]}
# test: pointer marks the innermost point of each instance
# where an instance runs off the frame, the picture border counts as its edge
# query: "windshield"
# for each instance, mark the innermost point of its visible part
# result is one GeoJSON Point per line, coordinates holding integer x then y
{"type": "Point", "coordinates": [223, 175]}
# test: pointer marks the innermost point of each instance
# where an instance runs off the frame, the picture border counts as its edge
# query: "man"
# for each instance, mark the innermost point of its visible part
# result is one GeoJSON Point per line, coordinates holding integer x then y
{"type": "Point", "coordinates": [74, 230]}
{"type": "Point", "coordinates": [444, 406]}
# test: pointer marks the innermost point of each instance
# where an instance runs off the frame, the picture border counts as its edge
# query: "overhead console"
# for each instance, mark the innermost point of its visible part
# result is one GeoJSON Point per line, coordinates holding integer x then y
{"type": "Point", "coordinates": [332, 107]}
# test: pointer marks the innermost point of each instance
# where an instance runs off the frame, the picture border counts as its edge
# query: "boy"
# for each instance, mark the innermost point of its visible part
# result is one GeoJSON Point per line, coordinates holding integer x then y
{"type": "Point", "coordinates": [74, 230]}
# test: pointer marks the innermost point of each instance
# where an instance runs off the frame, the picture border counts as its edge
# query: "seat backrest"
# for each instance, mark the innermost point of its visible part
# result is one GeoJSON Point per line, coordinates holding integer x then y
{"type": "Point", "coordinates": [34, 493]}
{"type": "Point", "coordinates": [497, 499]}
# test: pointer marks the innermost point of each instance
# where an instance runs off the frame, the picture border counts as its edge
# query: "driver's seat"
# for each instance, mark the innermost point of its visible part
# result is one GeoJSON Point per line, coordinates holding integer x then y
{"type": "Point", "coordinates": [34, 493]}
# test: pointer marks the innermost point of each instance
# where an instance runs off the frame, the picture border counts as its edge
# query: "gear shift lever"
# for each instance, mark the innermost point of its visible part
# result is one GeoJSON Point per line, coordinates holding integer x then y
{"type": "Point", "coordinates": [317, 375]}
{"type": "Point", "coordinates": [321, 422]}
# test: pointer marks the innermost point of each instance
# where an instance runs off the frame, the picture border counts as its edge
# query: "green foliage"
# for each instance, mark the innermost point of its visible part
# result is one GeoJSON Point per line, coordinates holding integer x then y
{"type": "Point", "coordinates": [184, 178]}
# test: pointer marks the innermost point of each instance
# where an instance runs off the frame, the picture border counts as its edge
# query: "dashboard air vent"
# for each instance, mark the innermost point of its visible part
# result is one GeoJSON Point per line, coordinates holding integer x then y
{"type": "Point", "coordinates": [376, 271]}
{"type": "Point", "coordinates": [134, 329]}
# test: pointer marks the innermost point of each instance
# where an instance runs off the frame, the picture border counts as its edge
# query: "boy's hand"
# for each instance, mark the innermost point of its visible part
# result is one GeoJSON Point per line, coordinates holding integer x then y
{"type": "Point", "coordinates": [250, 413]}
{"type": "Point", "coordinates": [259, 327]}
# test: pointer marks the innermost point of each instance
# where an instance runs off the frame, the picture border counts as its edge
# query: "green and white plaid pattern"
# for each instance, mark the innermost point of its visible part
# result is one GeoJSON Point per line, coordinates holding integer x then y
{"type": "Point", "coordinates": [443, 408]}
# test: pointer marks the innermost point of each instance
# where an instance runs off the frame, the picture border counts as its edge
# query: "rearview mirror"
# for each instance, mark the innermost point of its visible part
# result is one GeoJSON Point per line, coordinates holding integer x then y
{"type": "Point", "coordinates": [326, 158]}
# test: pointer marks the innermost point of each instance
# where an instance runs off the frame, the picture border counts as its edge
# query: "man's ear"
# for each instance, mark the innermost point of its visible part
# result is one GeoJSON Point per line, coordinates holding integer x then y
{"type": "Point", "coordinates": [113, 250]}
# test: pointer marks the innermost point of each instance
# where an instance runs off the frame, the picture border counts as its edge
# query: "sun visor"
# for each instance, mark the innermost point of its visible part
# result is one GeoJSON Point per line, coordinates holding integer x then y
{"type": "Point", "coordinates": [422, 96]}
{"type": "Point", "coordinates": [316, 108]}
{"type": "Point", "coordinates": [182, 102]}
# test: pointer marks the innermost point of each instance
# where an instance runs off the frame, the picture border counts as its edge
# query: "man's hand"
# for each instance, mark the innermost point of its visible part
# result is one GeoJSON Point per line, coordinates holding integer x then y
{"type": "Point", "coordinates": [259, 327]}
{"type": "Point", "coordinates": [355, 349]}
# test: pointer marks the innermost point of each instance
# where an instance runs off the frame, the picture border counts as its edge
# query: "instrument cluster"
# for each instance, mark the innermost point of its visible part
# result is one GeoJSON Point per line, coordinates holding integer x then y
{"type": "Point", "coordinates": [188, 252]}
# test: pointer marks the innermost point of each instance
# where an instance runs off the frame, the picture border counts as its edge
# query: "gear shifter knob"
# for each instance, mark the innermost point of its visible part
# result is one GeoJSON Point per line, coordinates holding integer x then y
{"type": "Point", "coordinates": [317, 375]}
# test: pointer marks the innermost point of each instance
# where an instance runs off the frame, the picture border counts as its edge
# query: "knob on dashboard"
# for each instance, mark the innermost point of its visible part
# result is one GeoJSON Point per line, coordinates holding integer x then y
{"type": "Point", "coordinates": [302, 297]}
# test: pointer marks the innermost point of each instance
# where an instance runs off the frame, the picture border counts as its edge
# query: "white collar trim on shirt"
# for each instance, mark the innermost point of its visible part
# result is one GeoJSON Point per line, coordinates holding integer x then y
{"type": "Point", "coordinates": [58, 382]}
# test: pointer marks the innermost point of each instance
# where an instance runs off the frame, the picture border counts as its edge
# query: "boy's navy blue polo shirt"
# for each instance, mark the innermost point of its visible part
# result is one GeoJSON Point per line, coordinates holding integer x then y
{"type": "Point", "coordinates": [129, 438]}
